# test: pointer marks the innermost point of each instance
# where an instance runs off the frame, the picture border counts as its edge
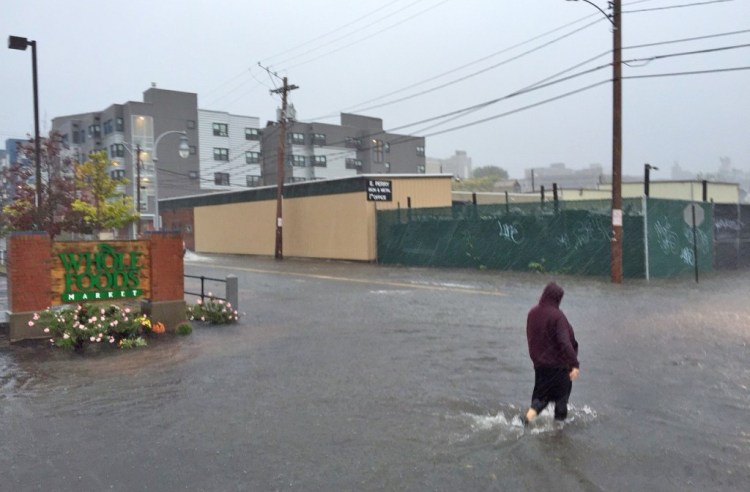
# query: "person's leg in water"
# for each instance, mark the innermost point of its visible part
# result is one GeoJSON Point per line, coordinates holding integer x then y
{"type": "Point", "coordinates": [540, 397]}
{"type": "Point", "coordinates": [551, 384]}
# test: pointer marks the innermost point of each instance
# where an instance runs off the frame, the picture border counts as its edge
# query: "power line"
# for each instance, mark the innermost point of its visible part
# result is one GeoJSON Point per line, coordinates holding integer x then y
{"type": "Point", "coordinates": [669, 7]}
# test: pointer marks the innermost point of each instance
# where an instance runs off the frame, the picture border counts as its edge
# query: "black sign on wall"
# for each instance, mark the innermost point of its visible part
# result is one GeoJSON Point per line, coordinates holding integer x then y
{"type": "Point", "coordinates": [379, 190]}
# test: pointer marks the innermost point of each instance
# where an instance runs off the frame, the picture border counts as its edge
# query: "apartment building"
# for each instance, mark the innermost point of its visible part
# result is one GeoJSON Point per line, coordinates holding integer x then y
{"type": "Point", "coordinates": [359, 145]}
{"type": "Point", "coordinates": [151, 129]}
{"type": "Point", "coordinates": [230, 151]}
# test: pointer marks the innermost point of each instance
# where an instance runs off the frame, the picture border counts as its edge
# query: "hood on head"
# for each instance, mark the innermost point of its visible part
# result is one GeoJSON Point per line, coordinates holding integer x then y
{"type": "Point", "coordinates": [552, 294]}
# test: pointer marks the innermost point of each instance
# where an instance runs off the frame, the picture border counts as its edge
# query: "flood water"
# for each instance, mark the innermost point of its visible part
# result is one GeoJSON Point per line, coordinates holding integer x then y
{"type": "Point", "coordinates": [345, 376]}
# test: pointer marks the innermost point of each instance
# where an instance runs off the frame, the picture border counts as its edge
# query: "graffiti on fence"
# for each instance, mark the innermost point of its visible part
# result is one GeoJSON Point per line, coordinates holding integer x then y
{"type": "Point", "coordinates": [666, 238]}
{"type": "Point", "coordinates": [509, 232]}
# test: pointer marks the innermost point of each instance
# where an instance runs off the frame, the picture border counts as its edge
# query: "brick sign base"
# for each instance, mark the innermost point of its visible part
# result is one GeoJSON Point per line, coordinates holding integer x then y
{"type": "Point", "coordinates": [42, 273]}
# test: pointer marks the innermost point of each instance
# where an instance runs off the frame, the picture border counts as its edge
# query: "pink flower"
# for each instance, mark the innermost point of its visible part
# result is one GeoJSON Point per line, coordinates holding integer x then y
{"type": "Point", "coordinates": [31, 323]}
{"type": "Point", "coordinates": [127, 310]}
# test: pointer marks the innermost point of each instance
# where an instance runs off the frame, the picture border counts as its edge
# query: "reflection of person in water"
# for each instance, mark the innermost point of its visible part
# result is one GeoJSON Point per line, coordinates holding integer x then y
{"type": "Point", "coordinates": [554, 351]}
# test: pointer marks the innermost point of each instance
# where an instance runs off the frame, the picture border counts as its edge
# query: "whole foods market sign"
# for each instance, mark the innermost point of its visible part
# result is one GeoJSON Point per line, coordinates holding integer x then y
{"type": "Point", "coordinates": [99, 271]}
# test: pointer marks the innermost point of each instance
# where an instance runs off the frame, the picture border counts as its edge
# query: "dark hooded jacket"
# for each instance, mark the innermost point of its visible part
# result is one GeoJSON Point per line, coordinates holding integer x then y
{"type": "Point", "coordinates": [552, 342]}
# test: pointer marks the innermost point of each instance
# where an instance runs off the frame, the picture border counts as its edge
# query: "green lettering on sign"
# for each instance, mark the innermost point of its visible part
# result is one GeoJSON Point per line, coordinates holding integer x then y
{"type": "Point", "coordinates": [102, 275]}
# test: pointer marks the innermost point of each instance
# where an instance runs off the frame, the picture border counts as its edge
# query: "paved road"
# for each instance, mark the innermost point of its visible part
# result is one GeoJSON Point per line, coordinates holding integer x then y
{"type": "Point", "coordinates": [345, 376]}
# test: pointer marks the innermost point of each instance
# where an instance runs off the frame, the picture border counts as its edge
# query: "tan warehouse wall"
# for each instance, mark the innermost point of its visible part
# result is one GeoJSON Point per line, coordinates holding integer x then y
{"type": "Point", "coordinates": [336, 226]}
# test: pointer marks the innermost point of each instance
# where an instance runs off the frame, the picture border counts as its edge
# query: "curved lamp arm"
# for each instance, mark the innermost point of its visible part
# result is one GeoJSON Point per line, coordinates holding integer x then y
{"type": "Point", "coordinates": [608, 16]}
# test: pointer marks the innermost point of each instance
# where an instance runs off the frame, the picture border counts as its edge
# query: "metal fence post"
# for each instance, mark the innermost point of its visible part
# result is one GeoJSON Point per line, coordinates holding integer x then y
{"type": "Point", "coordinates": [233, 291]}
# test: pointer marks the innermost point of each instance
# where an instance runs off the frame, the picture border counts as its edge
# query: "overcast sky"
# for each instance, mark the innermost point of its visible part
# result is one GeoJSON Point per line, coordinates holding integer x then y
{"type": "Point", "coordinates": [408, 61]}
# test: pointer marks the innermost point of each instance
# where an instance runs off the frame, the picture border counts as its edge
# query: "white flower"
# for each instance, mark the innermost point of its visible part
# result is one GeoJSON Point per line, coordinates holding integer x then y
{"type": "Point", "coordinates": [98, 340]}
{"type": "Point", "coordinates": [36, 316]}
{"type": "Point", "coordinates": [111, 339]}
{"type": "Point", "coordinates": [127, 310]}
{"type": "Point", "coordinates": [66, 336]}
{"type": "Point", "coordinates": [199, 302]}
{"type": "Point", "coordinates": [51, 340]}
{"type": "Point", "coordinates": [46, 330]}
{"type": "Point", "coordinates": [92, 338]}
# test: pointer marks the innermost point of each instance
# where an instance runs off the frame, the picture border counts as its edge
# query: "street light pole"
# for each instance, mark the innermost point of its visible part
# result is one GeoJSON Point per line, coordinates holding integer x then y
{"type": "Point", "coordinates": [616, 241]}
{"type": "Point", "coordinates": [184, 151]}
{"type": "Point", "coordinates": [138, 189]}
{"type": "Point", "coordinates": [19, 43]}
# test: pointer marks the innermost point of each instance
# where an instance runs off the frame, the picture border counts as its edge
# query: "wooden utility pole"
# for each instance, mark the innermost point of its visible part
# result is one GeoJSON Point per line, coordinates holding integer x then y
{"type": "Point", "coordinates": [279, 251]}
{"type": "Point", "coordinates": [616, 267]}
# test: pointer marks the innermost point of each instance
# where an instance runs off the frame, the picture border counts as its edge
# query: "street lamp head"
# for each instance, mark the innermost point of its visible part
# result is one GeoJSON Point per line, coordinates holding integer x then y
{"type": "Point", "coordinates": [184, 147]}
{"type": "Point", "coordinates": [17, 43]}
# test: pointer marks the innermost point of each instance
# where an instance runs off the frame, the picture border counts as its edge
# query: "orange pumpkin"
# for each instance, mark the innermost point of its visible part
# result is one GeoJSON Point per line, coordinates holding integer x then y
{"type": "Point", "coordinates": [158, 327]}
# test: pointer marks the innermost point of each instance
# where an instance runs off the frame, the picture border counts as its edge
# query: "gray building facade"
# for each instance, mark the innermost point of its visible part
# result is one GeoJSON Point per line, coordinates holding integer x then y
{"type": "Point", "coordinates": [152, 126]}
{"type": "Point", "coordinates": [359, 145]}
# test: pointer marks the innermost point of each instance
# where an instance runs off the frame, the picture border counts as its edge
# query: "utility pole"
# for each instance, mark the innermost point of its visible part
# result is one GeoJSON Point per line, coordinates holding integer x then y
{"type": "Point", "coordinates": [279, 251]}
{"type": "Point", "coordinates": [616, 267]}
{"type": "Point", "coordinates": [138, 189]}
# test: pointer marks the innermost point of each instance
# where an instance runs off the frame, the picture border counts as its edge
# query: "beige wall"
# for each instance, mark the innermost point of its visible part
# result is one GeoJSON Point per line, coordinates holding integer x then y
{"type": "Point", "coordinates": [237, 228]}
{"type": "Point", "coordinates": [337, 226]}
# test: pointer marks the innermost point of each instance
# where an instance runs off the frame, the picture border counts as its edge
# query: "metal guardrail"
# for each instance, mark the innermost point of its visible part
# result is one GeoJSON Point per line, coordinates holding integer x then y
{"type": "Point", "coordinates": [231, 289]}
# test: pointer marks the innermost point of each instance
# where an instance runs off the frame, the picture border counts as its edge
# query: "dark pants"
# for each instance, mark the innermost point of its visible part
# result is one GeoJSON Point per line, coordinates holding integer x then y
{"type": "Point", "coordinates": [552, 384]}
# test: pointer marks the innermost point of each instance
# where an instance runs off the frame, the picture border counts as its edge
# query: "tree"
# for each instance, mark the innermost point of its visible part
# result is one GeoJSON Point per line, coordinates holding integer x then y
{"type": "Point", "coordinates": [484, 179]}
{"type": "Point", "coordinates": [54, 214]}
{"type": "Point", "coordinates": [491, 171]}
{"type": "Point", "coordinates": [99, 202]}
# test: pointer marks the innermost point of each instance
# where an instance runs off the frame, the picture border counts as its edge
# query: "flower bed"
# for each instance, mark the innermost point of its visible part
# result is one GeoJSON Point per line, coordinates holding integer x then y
{"type": "Point", "coordinates": [75, 327]}
{"type": "Point", "coordinates": [212, 311]}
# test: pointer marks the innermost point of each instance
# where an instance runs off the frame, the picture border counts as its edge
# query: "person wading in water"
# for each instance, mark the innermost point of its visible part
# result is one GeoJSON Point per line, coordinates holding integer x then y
{"type": "Point", "coordinates": [554, 351]}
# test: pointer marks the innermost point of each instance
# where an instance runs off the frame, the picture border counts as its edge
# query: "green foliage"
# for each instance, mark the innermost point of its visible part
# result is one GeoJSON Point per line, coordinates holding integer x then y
{"type": "Point", "coordinates": [537, 266]}
{"type": "Point", "coordinates": [490, 172]}
{"type": "Point", "coordinates": [212, 311]}
{"type": "Point", "coordinates": [184, 329]}
{"type": "Point", "coordinates": [75, 327]}
{"type": "Point", "coordinates": [101, 206]}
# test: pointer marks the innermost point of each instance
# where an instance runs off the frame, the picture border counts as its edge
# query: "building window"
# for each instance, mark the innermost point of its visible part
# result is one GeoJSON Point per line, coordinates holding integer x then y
{"type": "Point", "coordinates": [193, 149]}
{"type": "Point", "coordinates": [318, 138]}
{"type": "Point", "coordinates": [116, 150]}
{"type": "Point", "coordinates": [296, 160]}
{"type": "Point", "coordinates": [119, 125]}
{"type": "Point", "coordinates": [420, 150]}
{"type": "Point", "coordinates": [253, 181]}
{"type": "Point", "coordinates": [221, 154]}
{"type": "Point", "coordinates": [319, 161]}
{"type": "Point", "coordinates": [387, 148]}
{"type": "Point", "coordinates": [353, 143]}
{"type": "Point", "coordinates": [221, 130]}
{"type": "Point", "coordinates": [190, 124]}
{"type": "Point", "coordinates": [95, 131]}
{"type": "Point", "coordinates": [353, 163]}
{"type": "Point", "coordinates": [295, 138]}
{"type": "Point", "coordinates": [108, 127]}
{"type": "Point", "coordinates": [252, 134]}
{"type": "Point", "coordinates": [117, 174]}
{"type": "Point", "coordinates": [252, 157]}
{"type": "Point", "coordinates": [377, 150]}
{"type": "Point", "coordinates": [420, 169]}
{"type": "Point", "coordinates": [221, 179]}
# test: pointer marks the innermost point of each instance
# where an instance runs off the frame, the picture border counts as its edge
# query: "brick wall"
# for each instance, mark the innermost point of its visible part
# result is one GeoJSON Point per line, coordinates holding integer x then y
{"type": "Point", "coordinates": [29, 265]}
{"type": "Point", "coordinates": [167, 270]}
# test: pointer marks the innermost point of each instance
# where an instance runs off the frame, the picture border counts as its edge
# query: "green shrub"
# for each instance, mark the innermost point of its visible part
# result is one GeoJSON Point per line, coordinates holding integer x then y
{"type": "Point", "coordinates": [184, 329]}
